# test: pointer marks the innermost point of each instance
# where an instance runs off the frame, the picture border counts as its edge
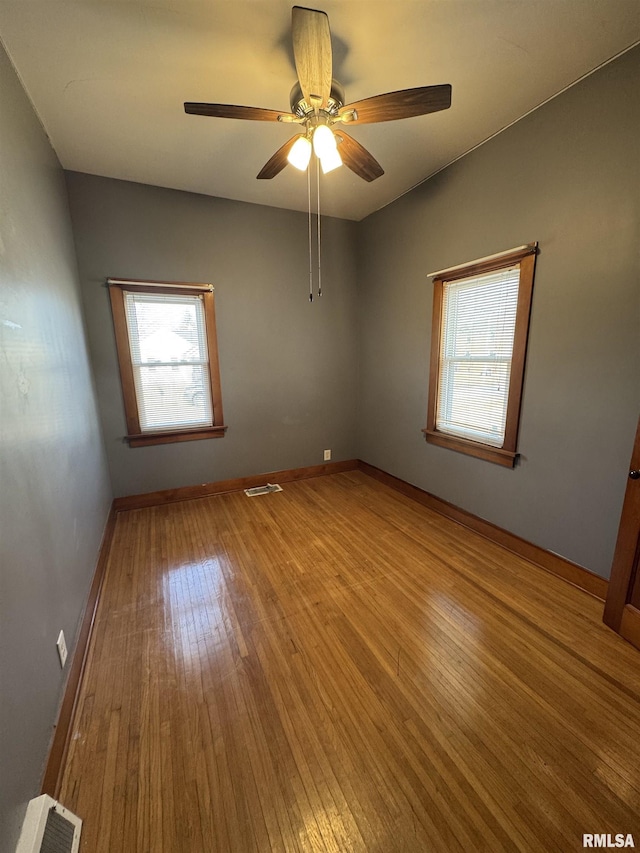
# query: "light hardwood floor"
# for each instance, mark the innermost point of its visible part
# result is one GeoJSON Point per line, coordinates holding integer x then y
{"type": "Point", "coordinates": [337, 668]}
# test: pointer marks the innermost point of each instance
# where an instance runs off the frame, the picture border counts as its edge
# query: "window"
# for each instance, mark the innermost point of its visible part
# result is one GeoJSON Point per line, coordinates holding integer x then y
{"type": "Point", "coordinates": [479, 340]}
{"type": "Point", "coordinates": [168, 355]}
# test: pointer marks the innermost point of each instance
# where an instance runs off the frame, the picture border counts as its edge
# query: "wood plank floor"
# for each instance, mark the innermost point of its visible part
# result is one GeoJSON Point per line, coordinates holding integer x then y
{"type": "Point", "coordinates": [337, 668]}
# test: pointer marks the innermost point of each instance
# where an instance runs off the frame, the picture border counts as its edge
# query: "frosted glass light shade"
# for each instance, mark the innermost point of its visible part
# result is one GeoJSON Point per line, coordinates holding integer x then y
{"type": "Point", "coordinates": [324, 142]}
{"type": "Point", "coordinates": [300, 153]}
{"type": "Point", "coordinates": [330, 161]}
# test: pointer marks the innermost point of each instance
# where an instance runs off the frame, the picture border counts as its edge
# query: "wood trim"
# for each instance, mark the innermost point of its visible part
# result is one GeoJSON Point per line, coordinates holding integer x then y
{"type": "Point", "coordinates": [555, 564]}
{"type": "Point", "coordinates": [135, 436]}
{"type": "Point", "coordinates": [434, 364]}
{"type": "Point", "coordinates": [525, 257]}
{"type": "Point", "coordinates": [625, 555]}
{"type": "Point", "coordinates": [172, 289]}
{"type": "Point", "coordinates": [146, 438]}
{"type": "Point", "coordinates": [214, 361]}
{"type": "Point", "coordinates": [491, 262]}
{"type": "Point", "coordinates": [471, 448]}
{"type": "Point", "coordinates": [186, 493]}
{"type": "Point", "coordinates": [64, 725]}
{"type": "Point", "coordinates": [630, 625]}
{"type": "Point", "coordinates": [151, 286]}
{"type": "Point", "coordinates": [124, 360]}
{"type": "Point", "coordinates": [519, 352]}
{"type": "Point", "coordinates": [634, 582]}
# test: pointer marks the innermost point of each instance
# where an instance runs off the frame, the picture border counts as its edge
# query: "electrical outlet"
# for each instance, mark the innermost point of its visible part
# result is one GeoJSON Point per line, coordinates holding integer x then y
{"type": "Point", "coordinates": [327, 455]}
{"type": "Point", "coordinates": [62, 648]}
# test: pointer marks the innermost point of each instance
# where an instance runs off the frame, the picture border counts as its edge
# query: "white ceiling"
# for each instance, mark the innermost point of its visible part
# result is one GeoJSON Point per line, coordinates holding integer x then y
{"type": "Point", "coordinates": [108, 80]}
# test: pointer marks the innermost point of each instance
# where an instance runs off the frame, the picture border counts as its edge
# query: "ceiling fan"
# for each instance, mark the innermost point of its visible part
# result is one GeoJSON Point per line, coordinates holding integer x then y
{"type": "Point", "coordinates": [318, 104]}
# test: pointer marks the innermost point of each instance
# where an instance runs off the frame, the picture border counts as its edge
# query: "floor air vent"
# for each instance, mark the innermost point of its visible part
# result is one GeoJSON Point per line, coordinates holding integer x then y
{"type": "Point", "coordinates": [49, 828]}
{"type": "Point", "coordinates": [263, 490]}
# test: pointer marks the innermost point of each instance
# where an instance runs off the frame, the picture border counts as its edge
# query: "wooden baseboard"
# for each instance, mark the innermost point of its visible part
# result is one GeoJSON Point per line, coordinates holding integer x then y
{"type": "Point", "coordinates": [62, 734]}
{"type": "Point", "coordinates": [553, 563]}
{"type": "Point", "coordinates": [187, 493]}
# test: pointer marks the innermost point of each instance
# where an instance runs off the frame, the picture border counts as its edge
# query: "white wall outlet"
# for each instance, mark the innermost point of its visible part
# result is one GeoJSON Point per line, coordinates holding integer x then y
{"type": "Point", "coordinates": [62, 648]}
{"type": "Point", "coordinates": [327, 455]}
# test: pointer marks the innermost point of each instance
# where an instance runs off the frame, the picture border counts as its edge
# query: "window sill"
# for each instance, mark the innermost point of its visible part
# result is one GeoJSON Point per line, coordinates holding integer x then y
{"type": "Point", "coordinates": [506, 458]}
{"type": "Point", "coordinates": [171, 436]}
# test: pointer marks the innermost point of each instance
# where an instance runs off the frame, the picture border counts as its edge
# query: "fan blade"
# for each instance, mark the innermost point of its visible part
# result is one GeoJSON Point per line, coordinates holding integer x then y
{"type": "Point", "coordinates": [233, 111]}
{"type": "Point", "coordinates": [276, 164]}
{"type": "Point", "coordinates": [357, 158]}
{"type": "Point", "coordinates": [403, 104]}
{"type": "Point", "coordinates": [312, 53]}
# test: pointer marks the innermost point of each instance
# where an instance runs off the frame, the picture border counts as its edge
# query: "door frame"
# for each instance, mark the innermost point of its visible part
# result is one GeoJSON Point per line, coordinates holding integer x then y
{"type": "Point", "coordinates": [619, 614]}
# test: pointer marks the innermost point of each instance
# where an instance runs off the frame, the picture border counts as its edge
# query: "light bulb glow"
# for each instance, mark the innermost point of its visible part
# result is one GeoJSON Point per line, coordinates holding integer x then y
{"type": "Point", "coordinates": [330, 161]}
{"type": "Point", "coordinates": [324, 142]}
{"type": "Point", "coordinates": [300, 153]}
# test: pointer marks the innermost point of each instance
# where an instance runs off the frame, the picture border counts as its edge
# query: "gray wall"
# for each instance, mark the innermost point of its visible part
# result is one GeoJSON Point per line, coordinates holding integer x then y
{"type": "Point", "coordinates": [288, 367]}
{"type": "Point", "coordinates": [567, 176]}
{"type": "Point", "coordinates": [54, 487]}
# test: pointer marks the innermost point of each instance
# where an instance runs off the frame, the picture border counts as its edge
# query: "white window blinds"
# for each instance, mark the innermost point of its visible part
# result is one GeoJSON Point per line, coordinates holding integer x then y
{"type": "Point", "coordinates": [168, 343]}
{"type": "Point", "coordinates": [478, 325]}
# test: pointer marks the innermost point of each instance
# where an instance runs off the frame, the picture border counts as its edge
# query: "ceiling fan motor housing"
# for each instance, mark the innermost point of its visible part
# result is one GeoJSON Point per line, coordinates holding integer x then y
{"type": "Point", "coordinates": [301, 108]}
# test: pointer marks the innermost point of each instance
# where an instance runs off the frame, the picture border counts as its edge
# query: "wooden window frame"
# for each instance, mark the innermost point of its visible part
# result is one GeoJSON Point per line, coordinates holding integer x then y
{"type": "Point", "coordinates": [135, 436]}
{"type": "Point", "coordinates": [525, 258]}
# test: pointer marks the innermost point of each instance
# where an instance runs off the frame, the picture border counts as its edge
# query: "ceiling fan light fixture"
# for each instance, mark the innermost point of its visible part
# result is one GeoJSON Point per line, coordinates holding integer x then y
{"type": "Point", "coordinates": [317, 103]}
{"type": "Point", "coordinates": [300, 153]}
{"type": "Point", "coordinates": [330, 160]}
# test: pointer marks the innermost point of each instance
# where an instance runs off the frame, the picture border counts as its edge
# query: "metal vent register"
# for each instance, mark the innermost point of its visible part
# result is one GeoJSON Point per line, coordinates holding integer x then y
{"type": "Point", "coordinates": [263, 490]}
{"type": "Point", "coordinates": [49, 828]}
{"type": "Point", "coordinates": [58, 834]}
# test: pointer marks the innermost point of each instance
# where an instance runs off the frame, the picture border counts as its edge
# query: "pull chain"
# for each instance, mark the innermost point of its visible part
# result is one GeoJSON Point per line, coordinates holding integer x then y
{"type": "Point", "coordinates": [319, 243]}
{"type": "Point", "coordinates": [310, 238]}
{"type": "Point", "coordinates": [318, 229]}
